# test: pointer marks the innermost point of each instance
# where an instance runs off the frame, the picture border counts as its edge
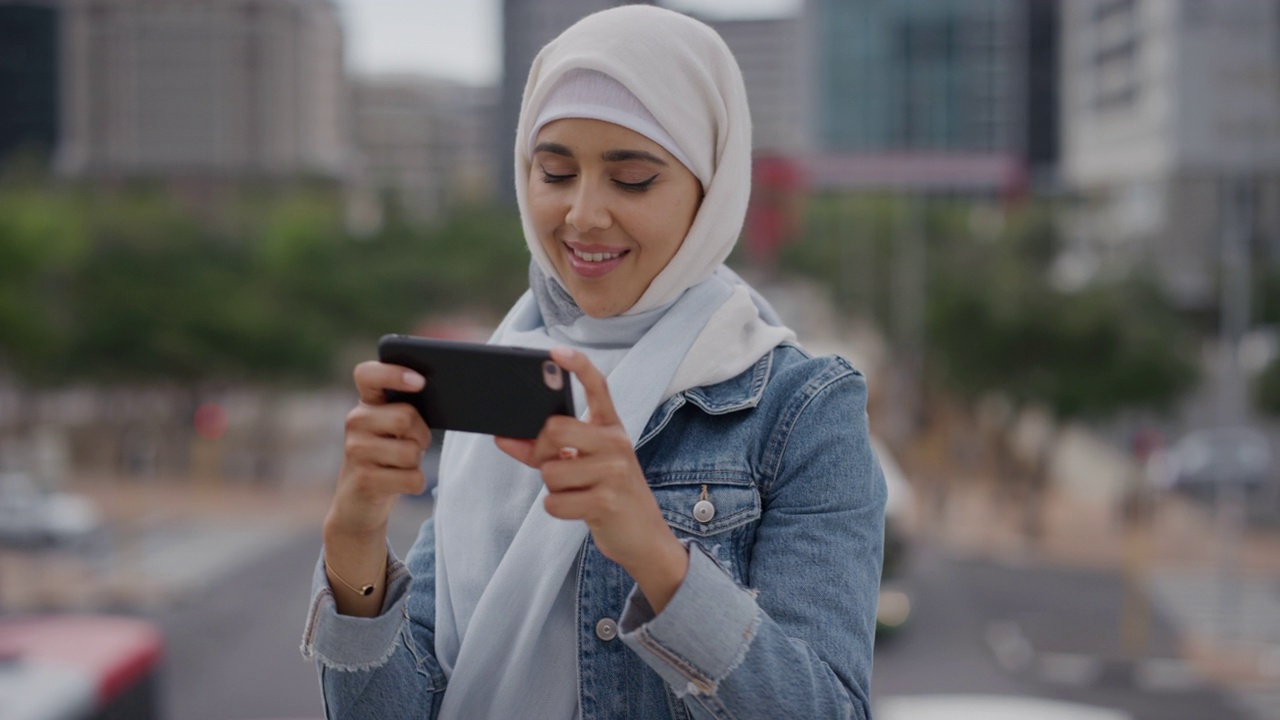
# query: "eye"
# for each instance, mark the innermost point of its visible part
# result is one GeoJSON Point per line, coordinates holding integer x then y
{"type": "Point", "coordinates": [551, 178]}
{"type": "Point", "coordinates": [636, 186]}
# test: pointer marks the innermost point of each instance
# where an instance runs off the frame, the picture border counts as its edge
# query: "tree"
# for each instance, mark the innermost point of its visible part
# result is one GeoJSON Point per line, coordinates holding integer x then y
{"type": "Point", "coordinates": [42, 241]}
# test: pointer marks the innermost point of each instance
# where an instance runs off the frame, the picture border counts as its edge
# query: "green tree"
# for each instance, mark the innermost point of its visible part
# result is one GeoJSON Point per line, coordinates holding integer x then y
{"type": "Point", "coordinates": [42, 241]}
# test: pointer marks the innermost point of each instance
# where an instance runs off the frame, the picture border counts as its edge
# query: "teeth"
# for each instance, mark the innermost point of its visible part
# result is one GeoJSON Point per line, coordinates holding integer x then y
{"type": "Point", "coordinates": [595, 257]}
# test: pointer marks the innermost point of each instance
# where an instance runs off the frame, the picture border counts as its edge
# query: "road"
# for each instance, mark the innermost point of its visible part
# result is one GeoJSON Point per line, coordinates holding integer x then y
{"type": "Point", "coordinates": [233, 647]}
{"type": "Point", "coordinates": [977, 626]}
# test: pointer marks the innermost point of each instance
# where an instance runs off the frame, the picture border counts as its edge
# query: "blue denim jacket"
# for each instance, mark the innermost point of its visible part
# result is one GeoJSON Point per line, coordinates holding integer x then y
{"type": "Point", "coordinates": [776, 616]}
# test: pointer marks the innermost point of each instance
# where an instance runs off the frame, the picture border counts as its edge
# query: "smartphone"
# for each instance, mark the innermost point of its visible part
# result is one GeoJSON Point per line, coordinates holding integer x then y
{"type": "Point", "coordinates": [490, 389]}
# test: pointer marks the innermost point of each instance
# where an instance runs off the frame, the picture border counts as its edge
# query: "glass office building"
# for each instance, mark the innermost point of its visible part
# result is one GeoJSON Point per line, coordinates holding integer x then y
{"type": "Point", "coordinates": [28, 79]}
{"type": "Point", "coordinates": [936, 76]}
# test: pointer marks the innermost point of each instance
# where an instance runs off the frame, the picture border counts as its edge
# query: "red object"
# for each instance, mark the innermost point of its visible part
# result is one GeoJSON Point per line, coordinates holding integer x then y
{"type": "Point", "coordinates": [118, 652]}
{"type": "Point", "coordinates": [773, 217]}
{"type": "Point", "coordinates": [1145, 442]}
{"type": "Point", "coordinates": [211, 421]}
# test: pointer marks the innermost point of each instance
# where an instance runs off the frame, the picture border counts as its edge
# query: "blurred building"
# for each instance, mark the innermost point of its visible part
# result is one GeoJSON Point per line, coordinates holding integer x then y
{"type": "Point", "coordinates": [936, 95]}
{"type": "Point", "coordinates": [28, 78]}
{"type": "Point", "coordinates": [424, 144]}
{"type": "Point", "coordinates": [527, 25]}
{"type": "Point", "coordinates": [202, 88]}
{"type": "Point", "coordinates": [1171, 121]}
{"type": "Point", "coordinates": [774, 56]}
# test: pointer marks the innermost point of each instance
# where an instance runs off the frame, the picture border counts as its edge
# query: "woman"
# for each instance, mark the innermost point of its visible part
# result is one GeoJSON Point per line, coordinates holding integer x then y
{"type": "Point", "coordinates": [706, 540]}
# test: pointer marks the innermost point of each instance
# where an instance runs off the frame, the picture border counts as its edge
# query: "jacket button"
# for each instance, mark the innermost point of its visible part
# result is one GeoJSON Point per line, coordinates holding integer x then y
{"type": "Point", "coordinates": [606, 629]}
{"type": "Point", "coordinates": [703, 511]}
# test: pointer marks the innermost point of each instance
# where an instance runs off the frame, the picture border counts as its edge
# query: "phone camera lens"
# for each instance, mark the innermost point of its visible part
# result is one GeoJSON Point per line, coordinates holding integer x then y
{"type": "Point", "coordinates": [552, 375]}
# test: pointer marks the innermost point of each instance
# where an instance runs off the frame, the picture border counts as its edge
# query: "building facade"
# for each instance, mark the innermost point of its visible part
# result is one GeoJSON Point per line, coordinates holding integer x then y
{"type": "Point", "coordinates": [29, 82]}
{"type": "Point", "coordinates": [422, 144]}
{"type": "Point", "coordinates": [774, 56]}
{"type": "Point", "coordinates": [966, 81]}
{"type": "Point", "coordinates": [202, 88]}
{"type": "Point", "coordinates": [1171, 117]}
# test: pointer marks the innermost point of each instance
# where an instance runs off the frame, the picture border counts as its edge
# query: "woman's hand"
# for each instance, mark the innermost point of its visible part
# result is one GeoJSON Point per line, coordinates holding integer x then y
{"type": "Point", "coordinates": [382, 459]}
{"type": "Point", "coordinates": [592, 474]}
{"type": "Point", "coordinates": [383, 449]}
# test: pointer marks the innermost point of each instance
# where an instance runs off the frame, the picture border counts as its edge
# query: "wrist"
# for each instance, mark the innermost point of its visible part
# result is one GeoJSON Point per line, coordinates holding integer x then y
{"type": "Point", "coordinates": [347, 525]}
{"type": "Point", "coordinates": [661, 572]}
{"type": "Point", "coordinates": [340, 527]}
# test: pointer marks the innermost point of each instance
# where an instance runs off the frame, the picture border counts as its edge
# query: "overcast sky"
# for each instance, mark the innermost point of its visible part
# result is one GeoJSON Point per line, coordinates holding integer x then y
{"type": "Point", "coordinates": [460, 39]}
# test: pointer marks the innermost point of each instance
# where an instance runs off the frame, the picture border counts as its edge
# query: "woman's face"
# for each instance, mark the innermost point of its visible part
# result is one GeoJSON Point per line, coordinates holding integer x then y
{"type": "Point", "coordinates": [611, 208]}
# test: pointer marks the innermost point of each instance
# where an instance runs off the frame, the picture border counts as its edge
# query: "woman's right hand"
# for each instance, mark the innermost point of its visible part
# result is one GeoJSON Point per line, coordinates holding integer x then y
{"type": "Point", "coordinates": [381, 460]}
{"type": "Point", "coordinates": [382, 453]}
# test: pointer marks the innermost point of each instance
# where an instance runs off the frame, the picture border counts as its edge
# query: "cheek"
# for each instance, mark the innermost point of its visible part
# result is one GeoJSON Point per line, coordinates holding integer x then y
{"type": "Point", "coordinates": [542, 208]}
{"type": "Point", "coordinates": [682, 218]}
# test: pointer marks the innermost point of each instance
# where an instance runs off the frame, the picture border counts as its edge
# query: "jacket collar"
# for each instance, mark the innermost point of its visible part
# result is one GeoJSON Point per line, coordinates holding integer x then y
{"type": "Point", "coordinates": [740, 392]}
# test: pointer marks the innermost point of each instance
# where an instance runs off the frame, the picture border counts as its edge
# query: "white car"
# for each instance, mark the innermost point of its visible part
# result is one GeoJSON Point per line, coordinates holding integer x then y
{"type": "Point", "coordinates": [31, 517]}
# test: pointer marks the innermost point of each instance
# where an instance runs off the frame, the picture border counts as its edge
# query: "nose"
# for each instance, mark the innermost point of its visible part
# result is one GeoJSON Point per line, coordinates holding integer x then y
{"type": "Point", "coordinates": [588, 210]}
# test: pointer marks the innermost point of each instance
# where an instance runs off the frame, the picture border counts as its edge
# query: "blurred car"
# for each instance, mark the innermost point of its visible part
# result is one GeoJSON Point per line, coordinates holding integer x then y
{"type": "Point", "coordinates": [899, 520]}
{"type": "Point", "coordinates": [1203, 461]}
{"type": "Point", "coordinates": [79, 667]}
{"type": "Point", "coordinates": [988, 707]}
{"type": "Point", "coordinates": [33, 518]}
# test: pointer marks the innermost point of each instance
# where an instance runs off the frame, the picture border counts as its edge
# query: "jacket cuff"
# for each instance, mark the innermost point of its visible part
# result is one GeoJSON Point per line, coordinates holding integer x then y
{"type": "Point", "coordinates": [349, 643]}
{"type": "Point", "coordinates": [703, 633]}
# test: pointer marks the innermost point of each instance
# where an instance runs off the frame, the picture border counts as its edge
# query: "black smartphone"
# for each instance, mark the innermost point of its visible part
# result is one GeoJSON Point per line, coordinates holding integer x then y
{"type": "Point", "coordinates": [491, 389]}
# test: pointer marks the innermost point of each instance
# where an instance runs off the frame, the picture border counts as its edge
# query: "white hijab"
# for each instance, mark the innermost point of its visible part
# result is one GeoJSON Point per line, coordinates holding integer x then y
{"type": "Point", "coordinates": [506, 585]}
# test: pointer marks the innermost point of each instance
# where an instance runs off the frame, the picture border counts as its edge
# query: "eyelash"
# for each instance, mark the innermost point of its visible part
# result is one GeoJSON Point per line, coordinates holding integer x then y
{"type": "Point", "coordinates": [641, 186]}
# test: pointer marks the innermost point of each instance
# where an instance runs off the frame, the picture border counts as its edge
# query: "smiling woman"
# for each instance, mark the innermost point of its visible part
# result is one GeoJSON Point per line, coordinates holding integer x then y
{"type": "Point", "coordinates": [611, 208]}
{"type": "Point", "coordinates": [706, 539]}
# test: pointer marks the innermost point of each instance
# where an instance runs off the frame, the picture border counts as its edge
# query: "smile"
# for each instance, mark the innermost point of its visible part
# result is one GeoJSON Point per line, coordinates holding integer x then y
{"type": "Point", "coordinates": [595, 257]}
{"type": "Point", "coordinates": [591, 265]}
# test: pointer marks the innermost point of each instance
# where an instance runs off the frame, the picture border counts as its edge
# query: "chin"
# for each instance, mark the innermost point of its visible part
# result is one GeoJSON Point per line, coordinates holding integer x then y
{"type": "Point", "coordinates": [601, 307]}
{"type": "Point", "coordinates": [600, 311]}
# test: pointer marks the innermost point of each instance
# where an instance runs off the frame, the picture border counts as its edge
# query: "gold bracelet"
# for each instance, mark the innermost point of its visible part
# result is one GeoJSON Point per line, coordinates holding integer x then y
{"type": "Point", "coordinates": [363, 591]}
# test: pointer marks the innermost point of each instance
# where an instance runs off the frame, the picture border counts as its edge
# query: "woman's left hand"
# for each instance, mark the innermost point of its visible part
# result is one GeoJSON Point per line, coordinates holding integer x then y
{"type": "Point", "coordinates": [592, 474]}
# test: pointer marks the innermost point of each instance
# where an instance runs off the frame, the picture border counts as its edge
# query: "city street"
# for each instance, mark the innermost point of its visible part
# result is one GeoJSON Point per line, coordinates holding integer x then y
{"type": "Point", "coordinates": [233, 646]}
{"type": "Point", "coordinates": [977, 626]}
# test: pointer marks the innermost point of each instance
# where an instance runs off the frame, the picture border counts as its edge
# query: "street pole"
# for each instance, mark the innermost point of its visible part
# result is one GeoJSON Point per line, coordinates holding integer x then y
{"type": "Point", "coordinates": [908, 309]}
{"type": "Point", "coordinates": [1237, 213]}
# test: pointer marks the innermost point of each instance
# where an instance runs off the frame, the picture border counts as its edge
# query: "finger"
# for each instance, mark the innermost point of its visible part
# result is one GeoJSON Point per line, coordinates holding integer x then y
{"type": "Point", "coordinates": [398, 420]}
{"type": "Point", "coordinates": [599, 402]}
{"type": "Point", "coordinates": [374, 378]}
{"type": "Point", "coordinates": [521, 450]}
{"type": "Point", "coordinates": [577, 474]}
{"type": "Point", "coordinates": [382, 481]}
{"type": "Point", "coordinates": [562, 435]}
{"type": "Point", "coordinates": [383, 452]}
{"type": "Point", "coordinates": [569, 505]}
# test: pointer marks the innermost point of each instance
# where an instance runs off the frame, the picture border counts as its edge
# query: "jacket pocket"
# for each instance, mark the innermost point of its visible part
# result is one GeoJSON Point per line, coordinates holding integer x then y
{"type": "Point", "coordinates": [717, 509]}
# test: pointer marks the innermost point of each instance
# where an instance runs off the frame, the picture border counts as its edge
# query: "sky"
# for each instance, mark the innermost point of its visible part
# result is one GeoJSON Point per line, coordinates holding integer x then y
{"type": "Point", "coordinates": [460, 39]}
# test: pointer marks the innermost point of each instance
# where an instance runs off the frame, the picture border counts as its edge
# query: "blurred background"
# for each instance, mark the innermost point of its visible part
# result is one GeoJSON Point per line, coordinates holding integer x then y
{"type": "Point", "coordinates": [1048, 231]}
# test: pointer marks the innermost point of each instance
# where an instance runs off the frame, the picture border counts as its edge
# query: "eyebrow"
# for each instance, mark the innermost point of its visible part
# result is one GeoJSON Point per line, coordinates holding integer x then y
{"type": "Point", "coordinates": [607, 156]}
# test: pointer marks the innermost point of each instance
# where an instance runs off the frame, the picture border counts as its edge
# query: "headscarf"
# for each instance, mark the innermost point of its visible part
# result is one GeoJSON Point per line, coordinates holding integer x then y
{"type": "Point", "coordinates": [506, 579]}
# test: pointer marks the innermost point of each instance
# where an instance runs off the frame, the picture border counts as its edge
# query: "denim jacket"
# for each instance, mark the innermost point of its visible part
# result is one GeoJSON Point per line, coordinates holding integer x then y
{"type": "Point", "coordinates": [776, 616]}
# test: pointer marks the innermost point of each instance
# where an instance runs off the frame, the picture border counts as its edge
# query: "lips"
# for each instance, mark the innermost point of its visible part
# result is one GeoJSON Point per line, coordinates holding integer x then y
{"type": "Point", "coordinates": [592, 261]}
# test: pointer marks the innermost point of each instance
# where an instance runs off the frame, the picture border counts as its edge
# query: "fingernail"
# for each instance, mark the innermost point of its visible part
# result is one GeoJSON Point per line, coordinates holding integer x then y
{"type": "Point", "coordinates": [414, 380]}
{"type": "Point", "coordinates": [563, 353]}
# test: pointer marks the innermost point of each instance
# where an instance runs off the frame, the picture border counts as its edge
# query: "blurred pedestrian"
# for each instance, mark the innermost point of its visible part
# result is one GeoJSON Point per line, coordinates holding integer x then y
{"type": "Point", "coordinates": [707, 541]}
